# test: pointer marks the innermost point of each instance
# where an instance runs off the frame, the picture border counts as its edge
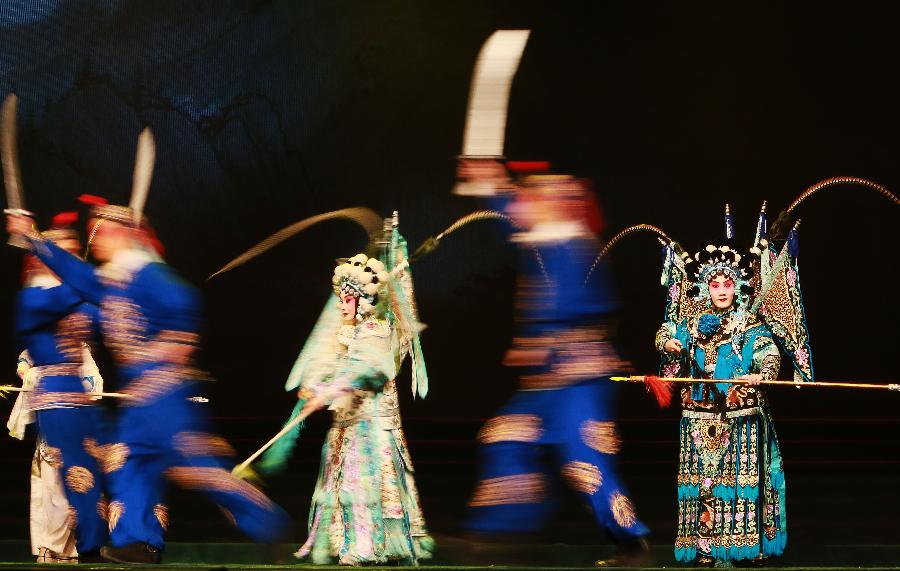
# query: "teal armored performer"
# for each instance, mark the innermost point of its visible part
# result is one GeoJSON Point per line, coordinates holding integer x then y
{"type": "Point", "coordinates": [728, 311]}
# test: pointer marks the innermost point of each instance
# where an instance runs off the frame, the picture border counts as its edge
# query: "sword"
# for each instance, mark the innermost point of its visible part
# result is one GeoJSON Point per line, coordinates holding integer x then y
{"type": "Point", "coordinates": [485, 130]}
{"type": "Point", "coordinates": [9, 151]}
{"type": "Point", "coordinates": [143, 173]}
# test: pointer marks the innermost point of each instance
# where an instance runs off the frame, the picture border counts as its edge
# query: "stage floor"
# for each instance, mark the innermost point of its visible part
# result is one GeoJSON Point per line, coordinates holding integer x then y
{"type": "Point", "coordinates": [456, 553]}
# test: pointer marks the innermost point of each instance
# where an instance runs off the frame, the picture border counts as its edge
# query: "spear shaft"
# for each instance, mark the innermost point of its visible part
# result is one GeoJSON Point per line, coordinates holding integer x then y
{"type": "Point", "coordinates": [686, 380]}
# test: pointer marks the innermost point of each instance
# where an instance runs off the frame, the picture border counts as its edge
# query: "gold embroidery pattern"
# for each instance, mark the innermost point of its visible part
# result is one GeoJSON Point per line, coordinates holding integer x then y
{"type": "Point", "coordinates": [110, 457]}
{"type": "Point", "coordinates": [622, 510]}
{"type": "Point", "coordinates": [154, 384]}
{"type": "Point", "coordinates": [576, 362]}
{"type": "Point", "coordinates": [202, 444]}
{"type": "Point", "coordinates": [79, 479]}
{"type": "Point", "coordinates": [687, 305]}
{"type": "Point", "coordinates": [182, 337]}
{"type": "Point", "coordinates": [123, 327]}
{"type": "Point", "coordinates": [71, 332]}
{"type": "Point", "coordinates": [777, 304]}
{"type": "Point", "coordinates": [103, 508]}
{"type": "Point", "coordinates": [602, 436]}
{"type": "Point", "coordinates": [41, 399]}
{"type": "Point", "coordinates": [162, 515]}
{"type": "Point", "coordinates": [52, 456]}
{"type": "Point", "coordinates": [59, 370]}
{"type": "Point", "coordinates": [582, 476]}
{"type": "Point", "coordinates": [511, 428]}
{"type": "Point", "coordinates": [115, 511]}
{"type": "Point", "coordinates": [194, 478]}
{"type": "Point", "coordinates": [518, 489]}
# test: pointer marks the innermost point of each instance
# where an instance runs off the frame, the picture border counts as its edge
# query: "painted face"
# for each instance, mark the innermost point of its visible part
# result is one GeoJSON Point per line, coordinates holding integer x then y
{"type": "Point", "coordinates": [721, 291]}
{"type": "Point", "coordinates": [348, 307]}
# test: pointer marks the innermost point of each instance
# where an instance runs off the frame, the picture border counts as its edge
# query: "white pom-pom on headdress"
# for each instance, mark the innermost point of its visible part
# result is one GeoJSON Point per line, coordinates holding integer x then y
{"type": "Point", "coordinates": [362, 277]}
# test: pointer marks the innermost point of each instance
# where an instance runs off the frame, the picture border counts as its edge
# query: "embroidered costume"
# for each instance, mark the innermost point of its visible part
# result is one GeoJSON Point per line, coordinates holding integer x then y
{"type": "Point", "coordinates": [365, 507]}
{"type": "Point", "coordinates": [52, 540]}
{"type": "Point", "coordinates": [731, 485]}
{"type": "Point", "coordinates": [53, 324]}
{"type": "Point", "coordinates": [150, 320]}
{"type": "Point", "coordinates": [564, 410]}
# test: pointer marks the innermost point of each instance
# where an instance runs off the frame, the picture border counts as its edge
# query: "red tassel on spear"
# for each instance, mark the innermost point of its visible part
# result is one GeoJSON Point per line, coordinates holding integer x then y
{"type": "Point", "coordinates": [662, 387]}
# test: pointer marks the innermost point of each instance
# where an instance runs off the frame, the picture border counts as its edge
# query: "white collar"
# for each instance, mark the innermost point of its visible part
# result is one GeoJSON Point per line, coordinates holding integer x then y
{"type": "Point", "coordinates": [132, 260]}
{"type": "Point", "coordinates": [43, 281]}
{"type": "Point", "coordinates": [558, 231]}
{"type": "Point", "coordinates": [125, 263]}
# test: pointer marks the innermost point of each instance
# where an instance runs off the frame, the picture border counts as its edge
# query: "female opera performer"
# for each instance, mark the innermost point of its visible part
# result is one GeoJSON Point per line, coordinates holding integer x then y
{"type": "Point", "coordinates": [365, 507]}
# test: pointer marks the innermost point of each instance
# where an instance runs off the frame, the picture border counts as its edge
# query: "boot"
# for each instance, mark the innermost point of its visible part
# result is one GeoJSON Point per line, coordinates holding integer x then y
{"type": "Point", "coordinates": [132, 553]}
{"type": "Point", "coordinates": [635, 553]}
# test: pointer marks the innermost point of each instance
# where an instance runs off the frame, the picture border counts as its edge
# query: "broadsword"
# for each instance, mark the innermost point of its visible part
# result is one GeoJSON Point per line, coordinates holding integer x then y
{"type": "Point", "coordinates": [485, 130]}
{"type": "Point", "coordinates": [9, 152]}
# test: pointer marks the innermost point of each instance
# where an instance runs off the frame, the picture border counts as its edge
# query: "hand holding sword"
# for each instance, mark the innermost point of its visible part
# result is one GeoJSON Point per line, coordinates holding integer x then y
{"type": "Point", "coordinates": [18, 224]}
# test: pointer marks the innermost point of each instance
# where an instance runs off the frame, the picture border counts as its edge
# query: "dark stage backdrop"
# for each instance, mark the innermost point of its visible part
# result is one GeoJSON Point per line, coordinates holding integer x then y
{"type": "Point", "coordinates": [268, 112]}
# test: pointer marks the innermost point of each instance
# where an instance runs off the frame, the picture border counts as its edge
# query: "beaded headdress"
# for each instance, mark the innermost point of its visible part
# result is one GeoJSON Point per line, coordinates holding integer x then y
{"type": "Point", "coordinates": [362, 277]}
{"type": "Point", "coordinates": [725, 258]}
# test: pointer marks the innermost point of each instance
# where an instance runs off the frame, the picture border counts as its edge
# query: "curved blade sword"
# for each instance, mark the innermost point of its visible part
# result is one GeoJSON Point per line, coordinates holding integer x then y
{"type": "Point", "coordinates": [144, 159]}
{"type": "Point", "coordinates": [9, 151]}
{"type": "Point", "coordinates": [485, 130]}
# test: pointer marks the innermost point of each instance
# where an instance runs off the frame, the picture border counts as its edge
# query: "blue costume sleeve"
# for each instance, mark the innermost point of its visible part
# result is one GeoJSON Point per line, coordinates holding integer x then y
{"type": "Point", "coordinates": [39, 307]}
{"type": "Point", "coordinates": [77, 274]}
{"type": "Point", "coordinates": [172, 303]}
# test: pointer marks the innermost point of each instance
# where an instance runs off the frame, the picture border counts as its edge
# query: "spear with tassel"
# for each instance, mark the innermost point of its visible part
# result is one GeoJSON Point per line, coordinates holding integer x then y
{"type": "Point", "coordinates": [662, 387]}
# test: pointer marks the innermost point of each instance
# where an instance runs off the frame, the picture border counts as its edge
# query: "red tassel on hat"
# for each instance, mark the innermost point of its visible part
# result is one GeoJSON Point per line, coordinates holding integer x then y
{"type": "Point", "coordinates": [528, 167]}
{"type": "Point", "coordinates": [64, 219]}
{"type": "Point", "coordinates": [92, 199]}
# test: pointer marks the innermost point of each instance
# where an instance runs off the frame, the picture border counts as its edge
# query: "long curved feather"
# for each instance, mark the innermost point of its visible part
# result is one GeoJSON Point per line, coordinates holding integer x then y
{"type": "Point", "coordinates": [615, 239]}
{"type": "Point", "coordinates": [365, 217]}
{"type": "Point", "coordinates": [430, 244]}
{"type": "Point", "coordinates": [783, 223]}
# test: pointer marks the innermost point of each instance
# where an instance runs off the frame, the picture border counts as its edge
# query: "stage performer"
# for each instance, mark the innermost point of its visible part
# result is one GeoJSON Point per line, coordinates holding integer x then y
{"type": "Point", "coordinates": [150, 320]}
{"type": "Point", "coordinates": [720, 325]}
{"type": "Point", "coordinates": [561, 421]}
{"type": "Point", "coordinates": [52, 540]}
{"type": "Point", "coordinates": [53, 325]}
{"type": "Point", "coordinates": [365, 507]}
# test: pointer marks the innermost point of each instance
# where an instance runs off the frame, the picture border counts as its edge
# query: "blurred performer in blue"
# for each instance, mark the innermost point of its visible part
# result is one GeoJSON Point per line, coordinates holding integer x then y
{"type": "Point", "coordinates": [560, 424]}
{"type": "Point", "coordinates": [150, 320]}
{"type": "Point", "coordinates": [53, 324]}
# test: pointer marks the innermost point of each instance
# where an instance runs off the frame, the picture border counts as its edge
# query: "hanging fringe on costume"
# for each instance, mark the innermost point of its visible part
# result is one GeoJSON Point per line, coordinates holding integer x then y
{"type": "Point", "coordinates": [368, 219]}
{"type": "Point", "coordinates": [651, 380]}
{"type": "Point", "coordinates": [403, 308]}
{"type": "Point", "coordinates": [783, 223]}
